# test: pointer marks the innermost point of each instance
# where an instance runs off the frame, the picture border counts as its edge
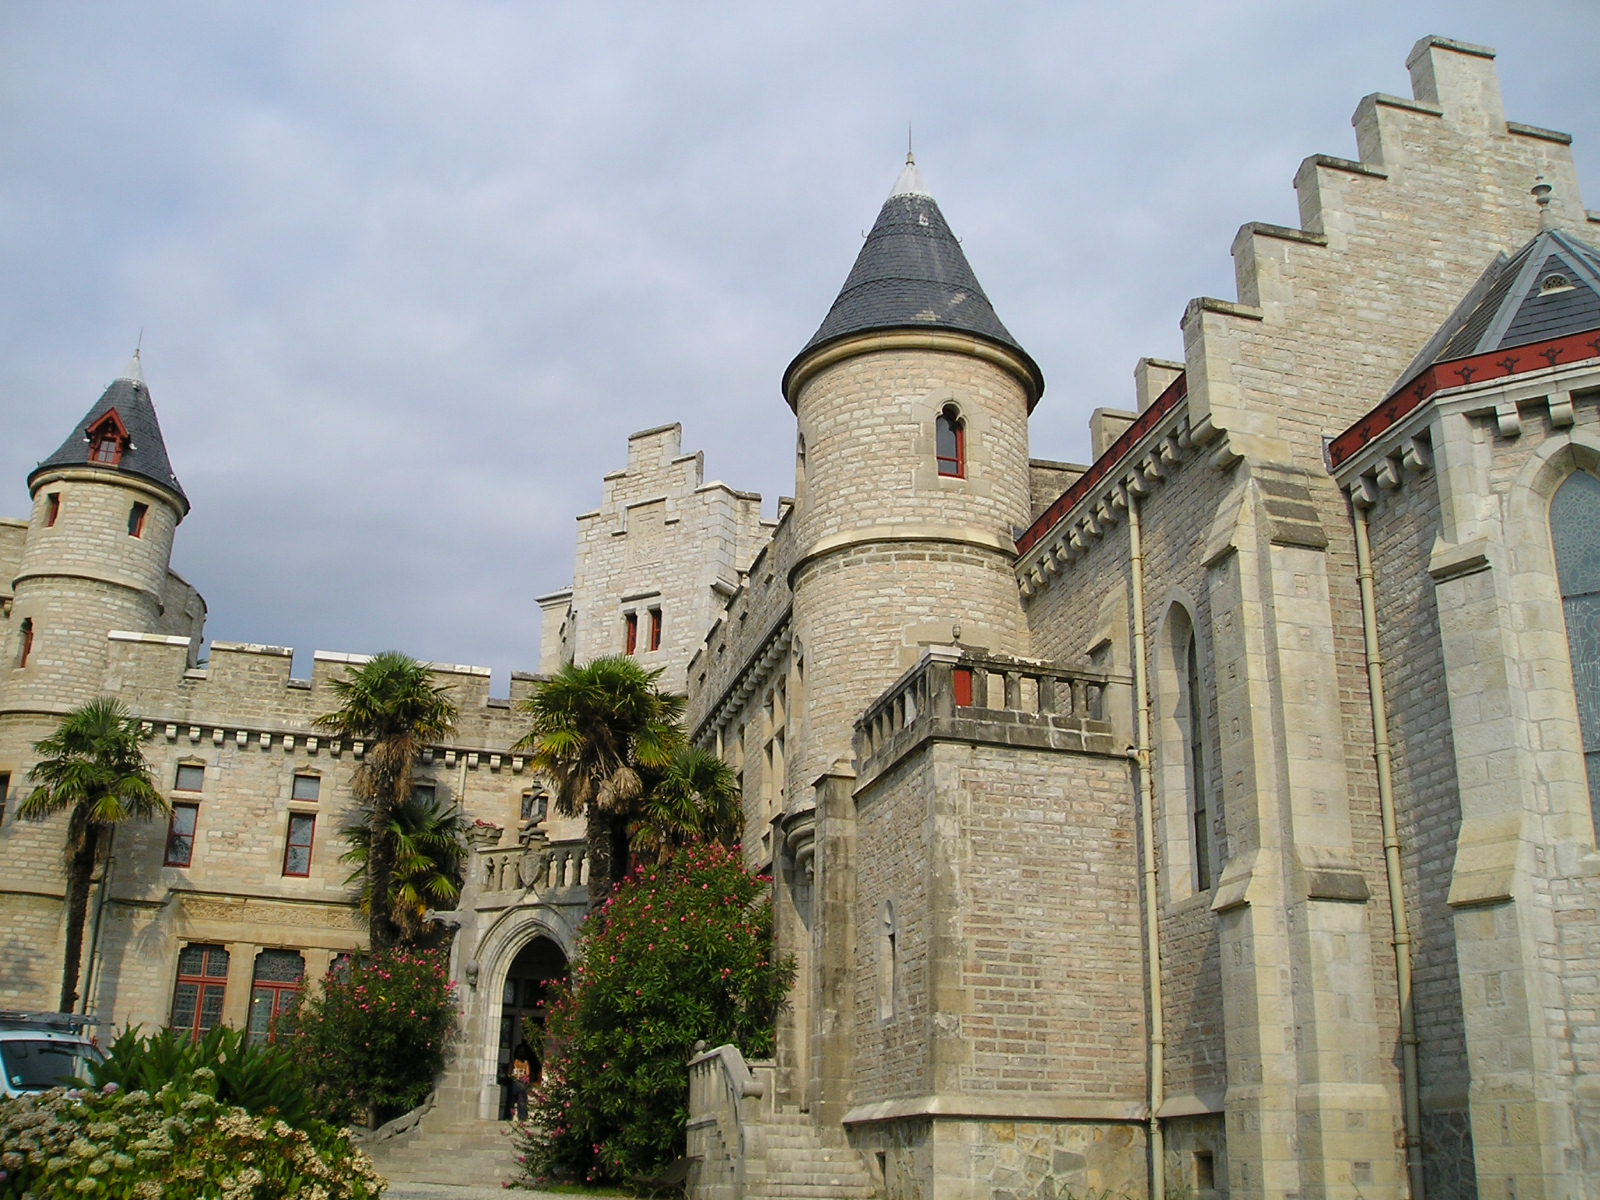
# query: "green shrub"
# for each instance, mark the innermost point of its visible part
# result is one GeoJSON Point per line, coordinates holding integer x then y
{"type": "Point", "coordinates": [682, 951]}
{"type": "Point", "coordinates": [180, 1143]}
{"type": "Point", "coordinates": [372, 1040]}
{"type": "Point", "coordinates": [262, 1080]}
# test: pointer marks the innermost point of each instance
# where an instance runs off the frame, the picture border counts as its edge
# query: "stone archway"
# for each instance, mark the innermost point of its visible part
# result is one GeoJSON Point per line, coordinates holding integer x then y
{"type": "Point", "coordinates": [538, 965]}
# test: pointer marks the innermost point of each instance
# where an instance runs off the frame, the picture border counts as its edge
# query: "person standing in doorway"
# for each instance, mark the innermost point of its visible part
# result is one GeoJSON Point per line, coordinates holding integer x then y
{"type": "Point", "coordinates": [521, 1077]}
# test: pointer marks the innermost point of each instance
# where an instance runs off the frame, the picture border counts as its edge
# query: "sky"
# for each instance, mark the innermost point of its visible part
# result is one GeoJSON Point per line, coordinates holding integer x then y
{"type": "Point", "coordinates": [407, 274]}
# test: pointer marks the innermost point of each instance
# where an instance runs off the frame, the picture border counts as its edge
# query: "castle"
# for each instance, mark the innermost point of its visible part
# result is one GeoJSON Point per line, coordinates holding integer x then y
{"type": "Point", "coordinates": [1217, 817]}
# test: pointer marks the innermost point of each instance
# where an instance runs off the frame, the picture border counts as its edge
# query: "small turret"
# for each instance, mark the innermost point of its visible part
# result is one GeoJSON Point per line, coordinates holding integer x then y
{"type": "Point", "coordinates": [912, 401]}
{"type": "Point", "coordinates": [97, 556]}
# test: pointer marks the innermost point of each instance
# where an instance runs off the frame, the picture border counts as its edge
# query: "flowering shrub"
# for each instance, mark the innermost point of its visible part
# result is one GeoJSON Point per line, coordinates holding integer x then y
{"type": "Point", "coordinates": [376, 1035]}
{"type": "Point", "coordinates": [262, 1080]}
{"type": "Point", "coordinates": [682, 951]}
{"type": "Point", "coordinates": [181, 1143]}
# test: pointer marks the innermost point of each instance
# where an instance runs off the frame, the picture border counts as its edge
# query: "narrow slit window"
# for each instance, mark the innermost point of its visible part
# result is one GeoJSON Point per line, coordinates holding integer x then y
{"type": "Point", "coordinates": [136, 516]}
{"type": "Point", "coordinates": [52, 508]}
{"type": "Point", "coordinates": [25, 649]}
{"type": "Point", "coordinates": [655, 629]}
{"type": "Point", "coordinates": [950, 437]}
{"type": "Point", "coordinates": [5, 791]}
{"type": "Point", "coordinates": [1198, 806]}
{"type": "Point", "coordinates": [630, 633]}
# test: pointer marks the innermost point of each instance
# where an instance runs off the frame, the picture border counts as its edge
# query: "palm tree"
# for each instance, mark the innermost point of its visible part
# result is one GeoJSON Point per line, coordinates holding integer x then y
{"type": "Point", "coordinates": [429, 840]}
{"type": "Point", "coordinates": [392, 704]}
{"type": "Point", "coordinates": [595, 729]}
{"type": "Point", "coordinates": [695, 798]}
{"type": "Point", "coordinates": [92, 768]}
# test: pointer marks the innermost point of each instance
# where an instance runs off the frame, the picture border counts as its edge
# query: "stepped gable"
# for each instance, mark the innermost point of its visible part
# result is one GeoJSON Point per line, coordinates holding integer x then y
{"type": "Point", "coordinates": [146, 452]}
{"type": "Point", "coordinates": [1548, 289]}
{"type": "Point", "coordinates": [911, 274]}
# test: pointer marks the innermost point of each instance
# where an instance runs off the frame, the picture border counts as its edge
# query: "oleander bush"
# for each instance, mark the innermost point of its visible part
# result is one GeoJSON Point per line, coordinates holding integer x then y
{"type": "Point", "coordinates": [682, 951]}
{"type": "Point", "coordinates": [178, 1143]}
{"type": "Point", "coordinates": [373, 1038]}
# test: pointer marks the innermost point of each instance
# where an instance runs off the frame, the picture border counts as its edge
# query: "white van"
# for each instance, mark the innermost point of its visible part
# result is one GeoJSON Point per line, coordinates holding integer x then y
{"type": "Point", "coordinates": [39, 1051]}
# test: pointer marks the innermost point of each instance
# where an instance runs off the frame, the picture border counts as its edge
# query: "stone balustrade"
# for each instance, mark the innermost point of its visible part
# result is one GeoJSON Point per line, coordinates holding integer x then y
{"type": "Point", "coordinates": [954, 694]}
{"type": "Point", "coordinates": [727, 1095]}
{"type": "Point", "coordinates": [540, 866]}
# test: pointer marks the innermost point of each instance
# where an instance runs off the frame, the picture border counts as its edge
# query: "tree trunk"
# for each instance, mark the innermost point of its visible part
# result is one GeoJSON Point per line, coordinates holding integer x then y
{"type": "Point", "coordinates": [80, 870]}
{"type": "Point", "coordinates": [598, 834]}
{"type": "Point", "coordinates": [380, 875]}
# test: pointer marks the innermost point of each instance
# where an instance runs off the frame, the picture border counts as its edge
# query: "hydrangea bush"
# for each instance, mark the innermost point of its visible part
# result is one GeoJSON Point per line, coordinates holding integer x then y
{"type": "Point", "coordinates": [181, 1143]}
{"type": "Point", "coordinates": [375, 1036]}
{"type": "Point", "coordinates": [682, 951]}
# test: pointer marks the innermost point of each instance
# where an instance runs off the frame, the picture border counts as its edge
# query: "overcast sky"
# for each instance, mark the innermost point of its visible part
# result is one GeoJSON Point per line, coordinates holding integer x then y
{"type": "Point", "coordinates": [408, 274]}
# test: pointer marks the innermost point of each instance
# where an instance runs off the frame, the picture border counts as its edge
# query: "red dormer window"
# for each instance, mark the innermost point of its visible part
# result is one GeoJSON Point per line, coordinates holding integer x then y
{"type": "Point", "coordinates": [108, 440]}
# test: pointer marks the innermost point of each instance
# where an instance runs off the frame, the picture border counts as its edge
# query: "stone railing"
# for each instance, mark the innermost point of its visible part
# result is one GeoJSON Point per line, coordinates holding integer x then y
{"type": "Point", "coordinates": [540, 866]}
{"type": "Point", "coordinates": [950, 692]}
{"type": "Point", "coordinates": [726, 1097]}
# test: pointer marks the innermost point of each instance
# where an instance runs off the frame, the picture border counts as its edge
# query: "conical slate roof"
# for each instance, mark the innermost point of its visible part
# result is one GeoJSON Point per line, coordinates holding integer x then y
{"type": "Point", "coordinates": [912, 274]}
{"type": "Point", "coordinates": [146, 454]}
{"type": "Point", "coordinates": [1548, 289]}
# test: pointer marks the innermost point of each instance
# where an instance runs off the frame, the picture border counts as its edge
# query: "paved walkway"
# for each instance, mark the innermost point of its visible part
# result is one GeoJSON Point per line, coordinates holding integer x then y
{"type": "Point", "coordinates": [444, 1191]}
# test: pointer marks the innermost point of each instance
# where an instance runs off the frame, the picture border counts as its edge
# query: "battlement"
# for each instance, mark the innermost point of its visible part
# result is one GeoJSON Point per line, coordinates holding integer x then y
{"type": "Point", "coordinates": [250, 685]}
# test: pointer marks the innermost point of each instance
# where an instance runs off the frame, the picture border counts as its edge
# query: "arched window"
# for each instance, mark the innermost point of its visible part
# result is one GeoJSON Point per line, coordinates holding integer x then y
{"type": "Point", "coordinates": [1575, 530]}
{"type": "Point", "coordinates": [950, 442]}
{"type": "Point", "coordinates": [1195, 766]}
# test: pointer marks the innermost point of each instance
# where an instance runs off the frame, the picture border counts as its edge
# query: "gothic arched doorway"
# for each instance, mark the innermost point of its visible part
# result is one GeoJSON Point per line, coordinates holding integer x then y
{"type": "Point", "coordinates": [537, 965]}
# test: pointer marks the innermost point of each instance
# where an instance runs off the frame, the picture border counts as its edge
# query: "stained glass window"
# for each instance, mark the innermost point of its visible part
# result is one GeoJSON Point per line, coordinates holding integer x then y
{"type": "Point", "coordinates": [1575, 529]}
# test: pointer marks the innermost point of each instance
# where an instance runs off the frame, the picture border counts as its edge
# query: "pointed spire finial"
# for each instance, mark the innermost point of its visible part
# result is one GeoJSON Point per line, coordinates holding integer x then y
{"type": "Point", "coordinates": [135, 369]}
{"type": "Point", "coordinates": [910, 181]}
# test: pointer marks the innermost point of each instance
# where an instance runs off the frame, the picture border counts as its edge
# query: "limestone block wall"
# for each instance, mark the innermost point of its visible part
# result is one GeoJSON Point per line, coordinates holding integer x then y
{"type": "Point", "coordinates": [1387, 247]}
{"type": "Point", "coordinates": [999, 1027]}
{"type": "Point", "coordinates": [1459, 498]}
{"type": "Point", "coordinates": [660, 555]}
{"type": "Point", "coordinates": [248, 727]}
{"type": "Point", "coordinates": [1405, 526]}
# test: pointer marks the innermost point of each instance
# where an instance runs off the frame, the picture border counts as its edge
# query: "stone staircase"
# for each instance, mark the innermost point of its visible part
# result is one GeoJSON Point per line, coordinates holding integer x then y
{"type": "Point", "coordinates": [788, 1161]}
{"type": "Point", "coordinates": [465, 1154]}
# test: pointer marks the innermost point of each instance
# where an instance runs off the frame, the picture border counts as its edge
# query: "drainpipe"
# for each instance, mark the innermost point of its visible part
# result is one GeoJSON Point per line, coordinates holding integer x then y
{"type": "Point", "coordinates": [1391, 858]}
{"type": "Point", "coordinates": [1147, 832]}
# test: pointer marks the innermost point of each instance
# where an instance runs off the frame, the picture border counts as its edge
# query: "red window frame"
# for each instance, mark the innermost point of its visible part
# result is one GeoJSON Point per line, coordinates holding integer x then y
{"type": "Point", "coordinates": [180, 840]}
{"type": "Point", "coordinates": [108, 440]}
{"type": "Point", "coordinates": [27, 642]}
{"type": "Point", "coordinates": [630, 633]}
{"type": "Point", "coordinates": [301, 833]}
{"type": "Point", "coordinates": [950, 443]}
{"type": "Point", "coordinates": [655, 629]}
{"type": "Point", "coordinates": [961, 680]}
{"type": "Point", "coordinates": [136, 516]}
{"type": "Point", "coordinates": [201, 987]}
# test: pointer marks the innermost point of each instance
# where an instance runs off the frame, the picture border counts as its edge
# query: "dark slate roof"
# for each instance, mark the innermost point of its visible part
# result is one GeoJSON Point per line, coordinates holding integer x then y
{"type": "Point", "coordinates": [146, 455]}
{"type": "Point", "coordinates": [912, 274]}
{"type": "Point", "coordinates": [1548, 289]}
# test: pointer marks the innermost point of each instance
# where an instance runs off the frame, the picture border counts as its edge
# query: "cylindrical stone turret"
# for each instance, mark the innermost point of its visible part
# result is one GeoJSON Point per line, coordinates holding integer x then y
{"type": "Point", "coordinates": [912, 402]}
{"type": "Point", "coordinates": [97, 554]}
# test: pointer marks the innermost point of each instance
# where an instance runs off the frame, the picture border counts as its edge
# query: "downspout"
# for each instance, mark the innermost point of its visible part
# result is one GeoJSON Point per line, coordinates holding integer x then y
{"type": "Point", "coordinates": [1391, 858]}
{"type": "Point", "coordinates": [1147, 833]}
